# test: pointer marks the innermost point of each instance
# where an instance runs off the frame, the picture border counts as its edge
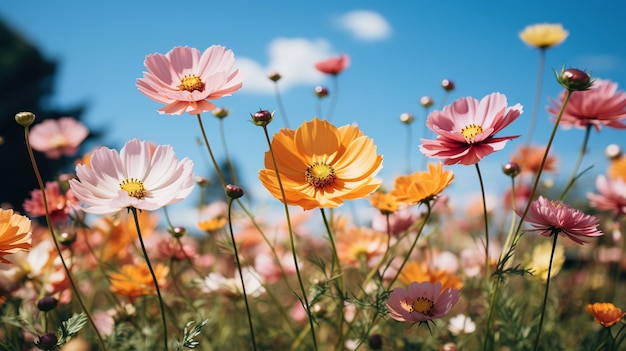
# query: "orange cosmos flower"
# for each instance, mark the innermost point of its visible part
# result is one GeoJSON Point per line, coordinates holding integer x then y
{"type": "Point", "coordinates": [529, 158]}
{"type": "Point", "coordinates": [360, 244]}
{"type": "Point", "coordinates": [135, 281]}
{"type": "Point", "coordinates": [321, 166]}
{"type": "Point", "coordinates": [385, 203]}
{"type": "Point", "coordinates": [422, 186]}
{"type": "Point", "coordinates": [14, 234]}
{"type": "Point", "coordinates": [421, 272]}
{"type": "Point", "coordinates": [118, 233]}
{"type": "Point", "coordinates": [605, 313]}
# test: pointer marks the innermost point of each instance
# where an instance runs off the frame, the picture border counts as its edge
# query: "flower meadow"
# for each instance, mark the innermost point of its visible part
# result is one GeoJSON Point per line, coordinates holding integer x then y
{"type": "Point", "coordinates": [97, 263]}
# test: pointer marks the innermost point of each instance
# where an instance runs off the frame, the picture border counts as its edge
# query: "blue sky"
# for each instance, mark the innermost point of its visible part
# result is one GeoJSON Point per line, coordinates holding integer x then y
{"type": "Point", "coordinates": [101, 47]}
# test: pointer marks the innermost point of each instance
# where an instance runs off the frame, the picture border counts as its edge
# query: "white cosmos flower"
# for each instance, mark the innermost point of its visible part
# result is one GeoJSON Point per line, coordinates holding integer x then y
{"type": "Point", "coordinates": [140, 175]}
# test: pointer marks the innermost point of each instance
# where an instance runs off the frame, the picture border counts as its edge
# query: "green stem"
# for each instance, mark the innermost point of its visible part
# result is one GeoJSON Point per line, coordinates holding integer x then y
{"type": "Point", "coordinates": [305, 300]}
{"type": "Point", "coordinates": [533, 121]}
{"type": "Point", "coordinates": [154, 278]}
{"type": "Point", "coordinates": [208, 146]}
{"type": "Point", "coordinates": [486, 220]}
{"type": "Point", "coordinates": [54, 238]}
{"type": "Point", "coordinates": [243, 285]}
{"type": "Point", "coordinates": [339, 276]}
{"type": "Point", "coordinates": [545, 295]}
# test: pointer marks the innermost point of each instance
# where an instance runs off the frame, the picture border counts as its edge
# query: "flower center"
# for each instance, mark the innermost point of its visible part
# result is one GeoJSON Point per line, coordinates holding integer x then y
{"type": "Point", "coordinates": [421, 305]}
{"type": "Point", "coordinates": [134, 187]}
{"type": "Point", "coordinates": [320, 175]}
{"type": "Point", "coordinates": [191, 83]}
{"type": "Point", "coordinates": [470, 131]}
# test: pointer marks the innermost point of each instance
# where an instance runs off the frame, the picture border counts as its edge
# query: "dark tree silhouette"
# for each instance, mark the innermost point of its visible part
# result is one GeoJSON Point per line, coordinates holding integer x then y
{"type": "Point", "coordinates": [26, 84]}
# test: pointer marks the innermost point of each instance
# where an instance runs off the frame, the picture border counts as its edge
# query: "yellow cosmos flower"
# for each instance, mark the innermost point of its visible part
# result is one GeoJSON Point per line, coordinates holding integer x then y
{"type": "Point", "coordinates": [543, 35]}
{"type": "Point", "coordinates": [134, 281]}
{"type": "Point", "coordinates": [540, 260]}
{"type": "Point", "coordinates": [321, 166]}
{"type": "Point", "coordinates": [213, 224]}
{"type": "Point", "coordinates": [605, 313]}
{"type": "Point", "coordinates": [422, 186]}
{"type": "Point", "coordinates": [385, 203]}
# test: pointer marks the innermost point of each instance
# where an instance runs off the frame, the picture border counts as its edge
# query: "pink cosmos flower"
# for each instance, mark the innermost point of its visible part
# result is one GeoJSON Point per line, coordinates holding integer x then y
{"type": "Point", "coordinates": [421, 302]}
{"type": "Point", "coordinates": [184, 79]}
{"type": "Point", "coordinates": [59, 204]}
{"type": "Point", "coordinates": [466, 128]}
{"type": "Point", "coordinates": [554, 217]}
{"type": "Point", "coordinates": [612, 195]}
{"type": "Point", "coordinates": [334, 65]}
{"type": "Point", "coordinates": [601, 105]}
{"type": "Point", "coordinates": [136, 177]}
{"type": "Point", "coordinates": [56, 138]}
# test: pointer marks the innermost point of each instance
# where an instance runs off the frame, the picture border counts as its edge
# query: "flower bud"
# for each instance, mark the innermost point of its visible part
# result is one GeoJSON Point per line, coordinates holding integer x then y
{"type": "Point", "coordinates": [67, 238]}
{"type": "Point", "coordinates": [426, 101]}
{"type": "Point", "coordinates": [321, 91]}
{"type": "Point", "coordinates": [202, 181]}
{"type": "Point", "coordinates": [262, 117]}
{"type": "Point", "coordinates": [25, 118]}
{"type": "Point", "coordinates": [613, 152]}
{"type": "Point", "coordinates": [220, 112]}
{"type": "Point", "coordinates": [234, 191]}
{"type": "Point", "coordinates": [512, 169]}
{"type": "Point", "coordinates": [574, 79]}
{"type": "Point", "coordinates": [406, 118]}
{"type": "Point", "coordinates": [375, 342]}
{"type": "Point", "coordinates": [447, 85]}
{"type": "Point", "coordinates": [47, 303]}
{"type": "Point", "coordinates": [274, 76]}
{"type": "Point", "coordinates": [47, 341]}
{"type": "Point", "coordinates": [177, 232]}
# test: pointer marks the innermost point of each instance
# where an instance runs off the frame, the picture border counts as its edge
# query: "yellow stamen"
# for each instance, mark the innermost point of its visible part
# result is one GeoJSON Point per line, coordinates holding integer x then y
{"type": "Point", "coordinates": [470, 131]}
{"type": "Point", "coordinates": [320, 175]}
{"type": "Point", "coordinates": [191, 83]}
{"type": "Point", "coordinates": [421, 305]}
{"type": "Point", "coordinates": [134, 187]}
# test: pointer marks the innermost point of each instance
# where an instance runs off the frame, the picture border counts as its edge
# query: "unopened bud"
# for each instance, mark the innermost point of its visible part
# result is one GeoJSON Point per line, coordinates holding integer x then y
{"type": "Point", "coordinates": [220, 112]}
{"type": "Point", "coordinates": [274, 76]}
{"type": "Point", "coordinates": [613, 151]}
{"type": "Point", "coordinates": [25, 118]}
{"type": "Point", "coordinates": [262, 117]}
{"type": "Point", "coordinates": [426, 101]}
{"type": "Point", "coordinates": [406, 118]}
{"type": "Point", "coordinates": [177, 232]}
{"type": "Point", "coordinates": [321, 91]}
{"type": "Point", "coordinates": [512, 169]}
{"type": "Point", "coordinates": [47, 341]}
{"type": "Point", "coordinates": [574, 79]}
{"type": "Point", "coordinates": [447, 85]}
{"type": "Point", "coordinates": [67, 238]}
{"type": "Point", "coordinates": [47, 303]}
{"type": "Point", "coordinates": [375, 342]}
{"type": "Point", "coordinates": [202, 181]}
{"type": "Point", "coordinates": [234, 191]}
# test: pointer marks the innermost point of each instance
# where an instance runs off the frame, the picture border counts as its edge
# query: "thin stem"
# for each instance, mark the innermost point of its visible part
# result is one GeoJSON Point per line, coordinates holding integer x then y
{"type": "Point", "coordinates": [54, 238]}
{"type": "Point", "coordinates": [281, 107]}
{"type": "Point", "coordinates": [533, 121]}
{"type": "Point", "coordinates": [583, 150]}
{"type": "Point", "coordinates": [206, 142]}
{"type": "Point", "coordinates": [154, 278]}
{"type": "Point", "coordinates": [243, 285]}
{"type": "Point", "coordinates": [486, 220]}
{"type": "Point", "coordinates": [305, 300]}
{"type": "Point", "coordinates": [339, 275]}
{"type": "Point", "coordinates": [333, 98]}
{"type": "Point", "coordinates": [545, 295]}
{"type": "Point", "coordinates": [231, 168]}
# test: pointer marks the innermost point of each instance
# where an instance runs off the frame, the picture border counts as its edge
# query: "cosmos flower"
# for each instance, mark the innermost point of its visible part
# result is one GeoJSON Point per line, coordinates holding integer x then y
{"type": "Point", "coordinates": [56, 138]}
{"type": "Point", "coordinates": [59, 204]}
{"type": "Point", "coordinates": [422, 186]}
{"type": "Point", "coordinates": [605, 313]}
{"type": "Point", "coordinates": [601, 105]}
{"type": "Point", "coordinates": [216, 282]}
{"type": "Point", "coordinates": [135, 177]}
{"type": "Point", "coordinates": [543, 35]}
{"type": "Point", "coordinates": [461, 324]}
{"type": "Point", "coordinates": [421, 302]}
{"type": "Point", "coordinates": [529, 158]}
{"type": "Point", "coordinates": [611, 197]}
{"type": "Point", "coordinates": [384, 202]}
{"type": "Point", "coordinates": [185, 79]}
{"type": "Point", "coordinates": [15, 234]}
{"type": "Point", "coordinates": [321, 165]}
{"type": "Point", "coordinates": [421, 271]}
{"type": "Point", "coordinates": [135, 280]}
{"type": "Point", "coordinates": [334, 65]}
{"type": "Point", "coordinates": [540, 260]}
{"type": "Point", "coordinates": [555, 217]}
{"type": "Point", "coordinates": [357, 245]}
{"type": "Point", "coordinates": [466, 129]}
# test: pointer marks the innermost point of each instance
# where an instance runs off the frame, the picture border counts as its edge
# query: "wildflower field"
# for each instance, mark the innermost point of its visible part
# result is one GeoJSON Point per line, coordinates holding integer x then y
{"type": "Point", "coordinates": [96, 262]}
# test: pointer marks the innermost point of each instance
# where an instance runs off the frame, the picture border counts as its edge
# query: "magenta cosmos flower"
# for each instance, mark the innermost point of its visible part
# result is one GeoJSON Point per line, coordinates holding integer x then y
{"type": "Point", "coordinates": [555, 217]}
{"type": "Point", "coordinates": [601, 105]}
{"type": "Point", "coordinates": [421, 302]}
{"type": "Point", "coordinates": [56, 138]}
{"type": "Point", "coordinates": [140, 176]}
{"type": "Point", "coordinates": [334, 65]}
{"type": "Point", "coordinates": [466, 128]}
{"type": "Point", "coordinates": [612, 196]}
{"type": "Point", "coordinates": [184, 79]}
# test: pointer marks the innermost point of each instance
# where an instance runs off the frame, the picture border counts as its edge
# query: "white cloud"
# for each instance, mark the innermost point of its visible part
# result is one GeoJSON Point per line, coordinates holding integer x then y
{"type": "Point", "coordinates": [365, 25]}
{"type": "Point", "coordinates": [293, 58]}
